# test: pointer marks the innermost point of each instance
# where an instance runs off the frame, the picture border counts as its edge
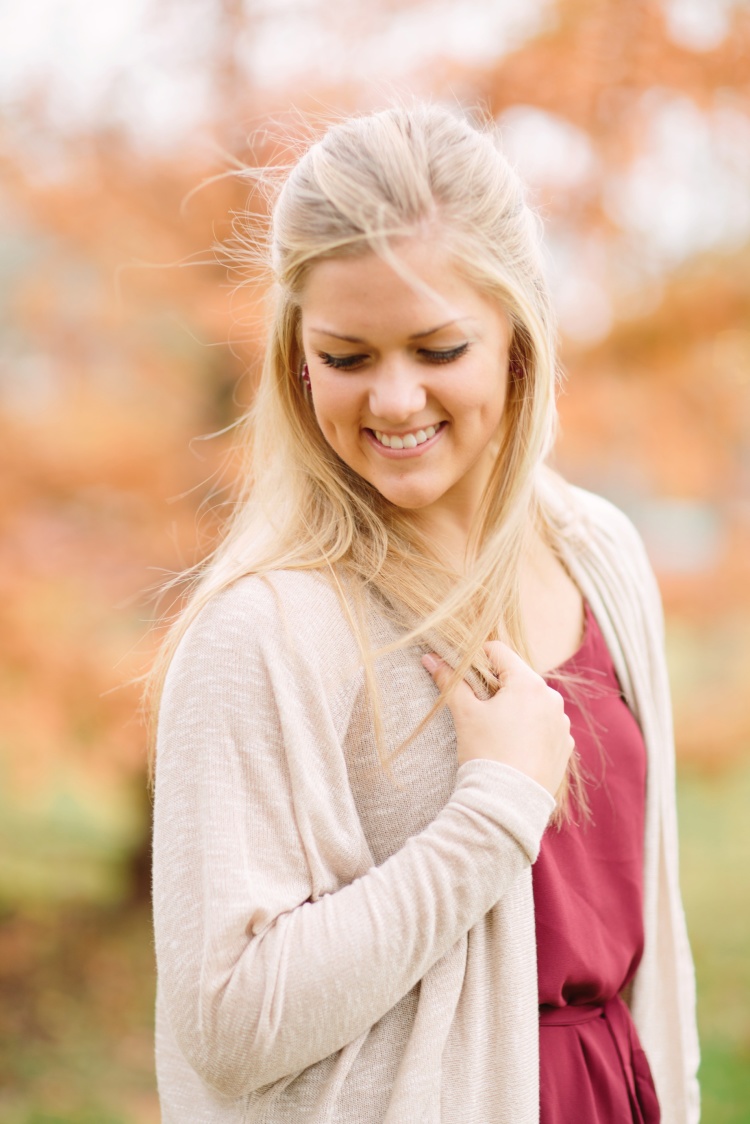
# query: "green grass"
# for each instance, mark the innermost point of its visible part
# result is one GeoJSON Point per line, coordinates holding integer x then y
{"type": "Point", "coordinates": [715, 855]}
{"type": "Point", "coordinates": [76, 1016]}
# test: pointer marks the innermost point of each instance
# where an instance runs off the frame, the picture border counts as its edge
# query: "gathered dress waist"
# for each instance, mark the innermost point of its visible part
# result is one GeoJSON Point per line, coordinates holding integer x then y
{"type": "Point", "coordinates": [588, 900]}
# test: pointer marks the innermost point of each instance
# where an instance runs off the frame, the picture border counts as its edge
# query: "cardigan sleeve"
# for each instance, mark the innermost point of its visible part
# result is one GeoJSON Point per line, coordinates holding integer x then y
{"type": "Point", "coordinates": [261, 979]}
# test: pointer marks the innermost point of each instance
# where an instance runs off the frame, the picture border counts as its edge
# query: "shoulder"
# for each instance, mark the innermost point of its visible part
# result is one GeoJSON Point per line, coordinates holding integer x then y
{"type": "Point", "coordinates": [285, 622]}
{"type": "Point", "coordinates": [588, 521]}
{"type": "Point", "coordinates": [262, 605]}
{"type": "Point", "coordinates": [596, 537]}
{"type": "Point", "coordinates": [607, 533]}
{"type": "Point", "coordinates": [602, 522]}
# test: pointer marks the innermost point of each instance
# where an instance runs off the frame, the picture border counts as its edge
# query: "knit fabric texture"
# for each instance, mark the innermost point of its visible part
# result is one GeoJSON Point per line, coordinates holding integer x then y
{"type": "Point", "coordinates": [339, 942]}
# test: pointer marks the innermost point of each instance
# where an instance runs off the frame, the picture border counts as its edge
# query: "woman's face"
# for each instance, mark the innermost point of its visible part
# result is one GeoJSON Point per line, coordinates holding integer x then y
{"type": "Point", "coordinates": [408, 384]}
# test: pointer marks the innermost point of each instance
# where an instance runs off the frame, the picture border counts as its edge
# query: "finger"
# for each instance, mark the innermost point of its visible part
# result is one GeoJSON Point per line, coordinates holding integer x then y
{"type": "Point", "coordinates": [503, 659]}
{"type": "Point", "coordinates": [437, 668]}
{"type": "Point", "coordinates": [441, 673]}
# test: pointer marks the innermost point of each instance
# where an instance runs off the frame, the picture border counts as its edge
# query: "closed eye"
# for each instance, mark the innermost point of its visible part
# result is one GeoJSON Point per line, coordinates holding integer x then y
{"type": "Point", "coordinates": [351, 362]}
{"type": "Point", "coordinates": [444, 356]}
{"type": "Point", "coordinates": [341, 362]}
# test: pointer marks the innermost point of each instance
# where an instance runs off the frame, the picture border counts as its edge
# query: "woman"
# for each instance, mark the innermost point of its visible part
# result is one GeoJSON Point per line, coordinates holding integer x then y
{"type": "Point", "coordinates": [358, 753]}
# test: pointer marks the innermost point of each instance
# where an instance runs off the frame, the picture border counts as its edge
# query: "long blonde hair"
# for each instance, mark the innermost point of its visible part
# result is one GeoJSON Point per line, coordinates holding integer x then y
{"type": "Point", "coordinates": [369, 182]}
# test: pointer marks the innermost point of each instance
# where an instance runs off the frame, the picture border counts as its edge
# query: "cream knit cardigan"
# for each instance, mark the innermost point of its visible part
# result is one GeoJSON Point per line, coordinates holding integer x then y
{"type": "Point", "coordinates": [336, 943]}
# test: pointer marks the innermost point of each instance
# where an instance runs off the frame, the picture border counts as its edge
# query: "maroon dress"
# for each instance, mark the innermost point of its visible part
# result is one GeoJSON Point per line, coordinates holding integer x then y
{"type": "Point", "coordinates": [589, 911]}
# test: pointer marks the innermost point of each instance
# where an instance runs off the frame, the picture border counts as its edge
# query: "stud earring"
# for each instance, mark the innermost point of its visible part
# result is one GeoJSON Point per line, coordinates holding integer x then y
{"type": "Point", "coordinates": [304, 376]}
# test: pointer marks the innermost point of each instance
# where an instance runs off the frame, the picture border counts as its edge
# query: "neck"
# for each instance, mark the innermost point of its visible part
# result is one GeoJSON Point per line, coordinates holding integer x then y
{"type": "Point", "coordinates": [448, 537]}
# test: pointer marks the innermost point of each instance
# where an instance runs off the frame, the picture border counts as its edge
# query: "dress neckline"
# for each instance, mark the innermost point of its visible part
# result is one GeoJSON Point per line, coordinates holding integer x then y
{"type": "Point", "coordinates": [585, 639]}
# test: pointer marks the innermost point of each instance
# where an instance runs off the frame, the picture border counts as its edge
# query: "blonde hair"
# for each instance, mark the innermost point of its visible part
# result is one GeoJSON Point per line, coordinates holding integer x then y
{"type": "Point", "coordinates": [368, 183]}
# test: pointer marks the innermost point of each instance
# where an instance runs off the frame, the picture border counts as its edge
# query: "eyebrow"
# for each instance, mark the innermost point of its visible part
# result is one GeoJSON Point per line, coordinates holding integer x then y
{"type": "Point", "coordinates": [416, 336]}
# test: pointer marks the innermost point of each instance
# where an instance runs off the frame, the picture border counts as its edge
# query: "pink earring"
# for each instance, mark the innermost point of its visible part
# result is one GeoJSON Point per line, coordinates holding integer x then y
{"type": "Point", "coordinates": [305, 380]}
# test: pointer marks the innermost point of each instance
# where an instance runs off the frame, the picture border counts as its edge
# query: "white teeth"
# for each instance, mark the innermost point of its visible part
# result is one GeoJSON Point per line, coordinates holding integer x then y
{"type": "Point", "coordinates": [409, 440]}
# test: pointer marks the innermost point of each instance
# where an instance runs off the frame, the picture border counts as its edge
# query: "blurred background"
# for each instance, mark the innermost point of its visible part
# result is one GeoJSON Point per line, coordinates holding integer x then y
{"type": "Point", "coordinates": [124, 345]}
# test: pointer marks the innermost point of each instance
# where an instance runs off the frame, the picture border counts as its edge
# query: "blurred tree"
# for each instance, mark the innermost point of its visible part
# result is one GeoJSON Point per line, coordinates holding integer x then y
{"type": "Point", "coordinates": [125, 343]}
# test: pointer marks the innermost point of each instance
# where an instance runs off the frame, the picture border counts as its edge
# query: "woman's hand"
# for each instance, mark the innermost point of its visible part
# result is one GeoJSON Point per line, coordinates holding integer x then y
{"type": "Point", "coordinates": [524, 724]}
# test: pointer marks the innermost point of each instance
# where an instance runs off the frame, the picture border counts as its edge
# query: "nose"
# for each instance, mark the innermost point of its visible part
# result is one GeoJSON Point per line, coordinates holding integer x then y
{"type": "Point", "coordinates": [397, 393]}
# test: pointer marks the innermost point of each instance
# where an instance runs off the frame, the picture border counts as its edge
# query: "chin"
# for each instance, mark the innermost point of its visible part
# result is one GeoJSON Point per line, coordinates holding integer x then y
{"type": "Point", "coordinates": [407, 502]}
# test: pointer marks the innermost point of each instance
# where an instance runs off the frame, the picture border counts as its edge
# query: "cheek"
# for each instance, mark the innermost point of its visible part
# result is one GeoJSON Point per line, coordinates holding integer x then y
{"type": "Point", "coordinates": [482, 393]}
{"type": "Point", "coordinates": [335, 409]}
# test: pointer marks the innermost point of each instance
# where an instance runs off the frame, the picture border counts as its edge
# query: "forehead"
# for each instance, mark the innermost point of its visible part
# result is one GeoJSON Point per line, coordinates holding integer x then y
{"type": "Point", "coordinates": [418, 288]}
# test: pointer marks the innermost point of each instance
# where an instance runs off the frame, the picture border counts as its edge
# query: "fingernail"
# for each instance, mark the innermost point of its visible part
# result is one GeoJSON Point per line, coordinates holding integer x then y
{"type": "Point", "coordinates": [432, 663]}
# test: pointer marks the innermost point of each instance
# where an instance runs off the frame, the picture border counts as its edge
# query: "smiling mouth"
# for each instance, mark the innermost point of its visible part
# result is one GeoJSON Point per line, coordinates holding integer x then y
{"type": "Point", "coordinates": [406, 440]}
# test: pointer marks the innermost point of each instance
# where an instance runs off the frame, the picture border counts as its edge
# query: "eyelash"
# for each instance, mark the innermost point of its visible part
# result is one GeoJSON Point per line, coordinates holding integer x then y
{"type": "Point", "coordinates": [351, 362]}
